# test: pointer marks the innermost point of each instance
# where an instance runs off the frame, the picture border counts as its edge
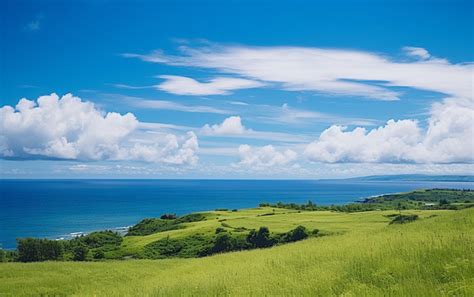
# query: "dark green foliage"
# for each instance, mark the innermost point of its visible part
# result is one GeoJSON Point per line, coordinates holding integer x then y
{"type": "Point", "coordinates": [315, 232]}
{"type": "Point", "coordinates": [186, 247]}
{"type": "Point", "coordinates": [3, 256]}
{"type": "Point", "coordinates": [266, 214]}
{"type": "Point", "coordinates": [150, 226]}
{"type": "Point", "coordinates": [412, 200]}
{"type": "Point", "coordinates": [100, 239]}
{"type": "Point", "coordinates": [99, 254]}
{"type": "Point", "coordinates": [168, 216]}
{"type": "Point", "coordinates": [260, 238]}
{"type": "Point", "coordinates": [34, 250]}
{"type": "Point", "coordinates": [222, 243]}
{"type": "Point", "coordinates": [193, 217]}
{"type": "Point", "coordinates": [443, 201]}
{"type": "Point", "coordinates": [8, 255]}
{"type": "Point", "coordinates": [402, 219]}
{"type": "Point", "coordinates": [221, 209]}
{"type": "Point", "coordinates": [220, 230]}
{"type": "Point", "coordinates": [299, 233]}
{"type": "Point", "coordinates": [79, 252]}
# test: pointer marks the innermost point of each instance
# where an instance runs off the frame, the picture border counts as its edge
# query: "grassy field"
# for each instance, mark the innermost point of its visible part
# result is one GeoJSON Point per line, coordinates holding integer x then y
{"type": "Point", "coordinates": [363, 256]}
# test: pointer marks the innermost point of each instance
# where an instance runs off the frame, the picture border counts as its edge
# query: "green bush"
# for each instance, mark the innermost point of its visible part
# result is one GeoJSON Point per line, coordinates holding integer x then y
{"type": "Point", "coordinates": [150, 226]}
{"type": "Point", "coordinates": [100, 239]}
{"type": "Point", "coordinates": [34, 250]}
{"type": "Point", "coordinates": [260, 238]}
{"type": "Point", "coordinates": [402, 219]}
{"type": "Point", "coordinates": [299, 233]}
{"type": "Point", "coordinates": [168, 216]}
{"type": "Point", "coordinates": [80, 253]}
{"type": "Point", "coordinates": [220, 230]}
{"type": "Point", "coordinates": [99, 254]}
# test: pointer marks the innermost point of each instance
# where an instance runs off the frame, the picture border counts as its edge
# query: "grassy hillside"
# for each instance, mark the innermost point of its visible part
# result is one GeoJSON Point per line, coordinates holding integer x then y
{"type": "Point", "coordinates": [364, 256]}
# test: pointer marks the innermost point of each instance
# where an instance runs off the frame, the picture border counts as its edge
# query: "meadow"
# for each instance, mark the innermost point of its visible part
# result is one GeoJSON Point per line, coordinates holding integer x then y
{"type": "Point", "coordinates": [361, 255]}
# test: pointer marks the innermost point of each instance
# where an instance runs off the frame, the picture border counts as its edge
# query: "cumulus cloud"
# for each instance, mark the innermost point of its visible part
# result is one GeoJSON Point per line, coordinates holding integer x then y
{"type": "Point", "coordinates": [330, 71]}
{"type": "Point", "coordinates": [69, 128]}
{"type": "Point", "coordinates": [259, 158]}
{"type": "Point", "coordinates": [230, 126]}
{"type": "Point", "coordinates": [448, 138]}
{"type": "Point", "coordinates": [181, 85]}
{"type": "Point", "coordinates": [233, 127]}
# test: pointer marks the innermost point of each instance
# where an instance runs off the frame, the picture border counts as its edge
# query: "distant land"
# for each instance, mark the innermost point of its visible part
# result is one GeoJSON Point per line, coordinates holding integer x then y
{"type": "Point", "coordinates": [415, 177]}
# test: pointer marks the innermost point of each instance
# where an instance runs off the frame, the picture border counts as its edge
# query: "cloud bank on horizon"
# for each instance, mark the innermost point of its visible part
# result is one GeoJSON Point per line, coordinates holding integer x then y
{"type": "Point", "coordinates": [69, 128]}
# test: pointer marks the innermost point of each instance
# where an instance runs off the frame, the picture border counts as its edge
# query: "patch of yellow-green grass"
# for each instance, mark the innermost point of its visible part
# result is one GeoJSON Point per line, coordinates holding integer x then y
{"type": "Point", "coordinates": [281, 220]}
{"type": "Point", "coordinates": [433, 256]}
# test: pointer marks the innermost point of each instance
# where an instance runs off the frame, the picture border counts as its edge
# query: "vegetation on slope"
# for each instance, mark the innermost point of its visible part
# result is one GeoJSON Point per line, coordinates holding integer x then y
{"type": "Point", "coordinates": [419, 199]}
{"type": "Point", "coordinates": [432, 256]}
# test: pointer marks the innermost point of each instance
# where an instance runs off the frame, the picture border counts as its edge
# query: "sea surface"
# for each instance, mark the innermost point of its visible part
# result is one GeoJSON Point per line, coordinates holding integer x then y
{"type": "Point", "coordinates": [65, 208]}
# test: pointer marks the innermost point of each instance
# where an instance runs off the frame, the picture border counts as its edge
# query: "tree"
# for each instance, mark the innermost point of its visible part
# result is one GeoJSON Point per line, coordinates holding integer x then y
{"type": "Point", "coordinates": [99, 255]}
{"type": "Point", "coordinates": [33, 250]}
{"type": "Point", "coordinates": [80, 253]}
{"type": "Point", "coordinates": [443, 201]}
{"type": "Point", "coordinates": [222, 243]}
{"type": "Point", "coordinates": [168, 216]}
{"type": "Point", "coordinates": [260, 238]}
{"type": "Point", "coordinates": [3, 255]}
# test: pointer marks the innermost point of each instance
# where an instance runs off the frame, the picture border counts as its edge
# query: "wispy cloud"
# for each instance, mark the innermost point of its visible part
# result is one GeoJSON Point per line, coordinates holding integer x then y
{"type": "Point", "coordinates": [181, 85]}
{"type": "Point", "coordinates": [35, 24]}
{"type": "Point", "coordinates": [328, 71]}
{"type": "Point", "coordinates": [166, 105]}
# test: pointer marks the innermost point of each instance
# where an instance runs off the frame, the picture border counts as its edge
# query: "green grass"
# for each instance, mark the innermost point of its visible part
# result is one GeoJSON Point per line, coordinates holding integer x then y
{"type": "Point", "coordinates": [365, 256]}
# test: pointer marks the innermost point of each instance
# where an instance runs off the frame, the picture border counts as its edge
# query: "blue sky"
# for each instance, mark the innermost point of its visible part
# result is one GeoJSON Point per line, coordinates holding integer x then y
{"type": "Point", "coordinates": [241, 89]}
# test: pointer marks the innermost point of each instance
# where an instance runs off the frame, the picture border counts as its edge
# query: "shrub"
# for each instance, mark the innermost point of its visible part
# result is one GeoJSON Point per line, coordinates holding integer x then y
{"type": "Point", "coordinates": [33, 250]}
{"type": "Point", "coordinates": [402, 219]}
{"type": "Point", "coordinates": [299, 233]}
{"type": "Point", "coordinates": [220, 230]}
{"type": "Point", "coordinates": [3, 256]}
{"type": "Point", "coordinates": [193, 217]}
{"type": "Point", "coordinates": [100, 239]}
{"type": "Point", "coordinates": [99, 254]}
{"type": "Point", "coordinates": [260, 238]}
{"type": "Point", "coordinates": [168, 216]}
{"type": "Point", "coordinates": [150, 226]}
{"type": "Point", "coordinates": [222, 243]}
{"type": "Point", "coordinates": [80, 253]}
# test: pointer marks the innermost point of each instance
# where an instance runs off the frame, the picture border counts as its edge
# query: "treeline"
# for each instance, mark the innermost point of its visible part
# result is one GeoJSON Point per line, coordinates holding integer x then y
{"type": "Point", "coordinates": [223, 241]}
{"type": "Point", "coordinates": [310, 206]}
{"type": "Point", "coordinates": [86, 247]}
{"type": "Point", "coordinates": [420, 199]}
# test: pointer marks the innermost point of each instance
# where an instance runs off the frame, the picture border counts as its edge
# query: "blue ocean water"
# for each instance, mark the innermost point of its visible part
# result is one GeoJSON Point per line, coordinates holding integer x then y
{"type": "Point", "coordinates": [57, 208]}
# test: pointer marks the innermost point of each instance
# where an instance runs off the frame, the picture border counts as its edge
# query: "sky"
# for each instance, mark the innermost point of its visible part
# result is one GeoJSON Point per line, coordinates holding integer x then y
{"type": "Point", "coordinates": [235, 89]}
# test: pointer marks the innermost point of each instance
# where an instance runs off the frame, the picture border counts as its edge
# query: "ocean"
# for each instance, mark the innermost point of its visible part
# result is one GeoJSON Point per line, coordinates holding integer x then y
{"type": "Point", "coordinates": [64, 208]}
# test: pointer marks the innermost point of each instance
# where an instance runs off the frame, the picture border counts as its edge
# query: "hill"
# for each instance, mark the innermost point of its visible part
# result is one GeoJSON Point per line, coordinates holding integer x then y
{"type": "Point", "coordinates": [364, 255]}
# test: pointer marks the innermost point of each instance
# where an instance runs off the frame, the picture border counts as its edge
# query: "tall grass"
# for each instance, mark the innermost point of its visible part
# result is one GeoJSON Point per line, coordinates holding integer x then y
{"type": "Point", "coordinates": [430, 257]}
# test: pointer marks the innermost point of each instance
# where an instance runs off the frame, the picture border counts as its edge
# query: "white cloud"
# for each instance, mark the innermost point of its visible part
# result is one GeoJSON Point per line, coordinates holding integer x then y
{"type": "Point", "coordinates": [417, 52]}
{"type": "Point", "coordinates": [260, 158]}
{"type": "Point", "coordinates": [68, 128]}
{"type": "Point", "coordinates": [230, 126]}
{"type": "Point", "coordinates": [449, 138]}
{"type": "Point", "coordinates": [181, 85]}
{"type": "Point", "coordinates": [330, 71]}
{"type": "Point", "coordinates": [233, 127]}
{"type": "Point", "coordinates": [169, 105]}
